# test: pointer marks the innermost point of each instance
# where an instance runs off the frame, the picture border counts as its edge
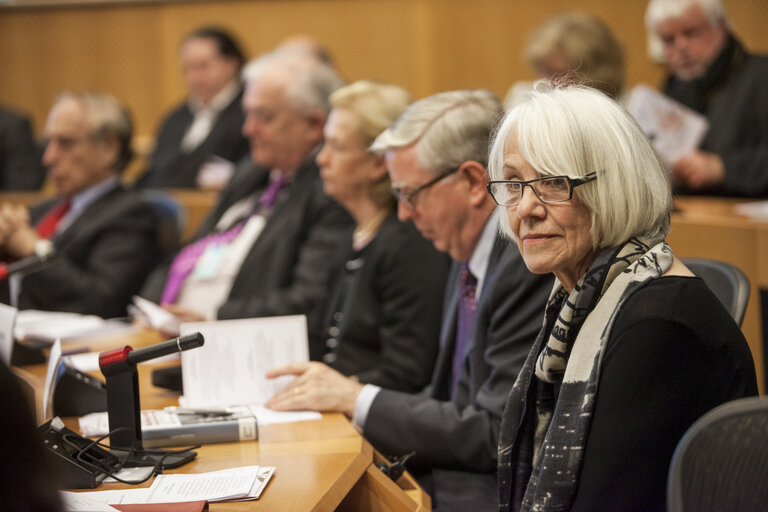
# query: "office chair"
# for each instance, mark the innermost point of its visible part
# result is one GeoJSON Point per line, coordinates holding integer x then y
{"type": "Point", "coordinates": [721, 463]}
{"type": "Point", "coordinates": [170, 216]}
{"type": "Point", "coordinates": [726, 281]}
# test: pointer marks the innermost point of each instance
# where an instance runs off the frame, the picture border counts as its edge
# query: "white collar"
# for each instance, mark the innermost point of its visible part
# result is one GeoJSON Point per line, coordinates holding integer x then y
{"type": "Point", "coordinates": [219, 102]}
{"type": "Point", "coordinates": [481, 255]}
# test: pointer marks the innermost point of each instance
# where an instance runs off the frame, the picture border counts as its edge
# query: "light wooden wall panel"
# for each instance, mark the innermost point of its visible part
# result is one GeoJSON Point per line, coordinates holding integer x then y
{"type": "Point", "coordinates": [130, 48]}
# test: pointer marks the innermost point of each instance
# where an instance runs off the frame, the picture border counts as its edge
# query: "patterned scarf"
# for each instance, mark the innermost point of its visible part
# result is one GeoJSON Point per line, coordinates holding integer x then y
{"type": "Point", "coordinates": [542, 438]}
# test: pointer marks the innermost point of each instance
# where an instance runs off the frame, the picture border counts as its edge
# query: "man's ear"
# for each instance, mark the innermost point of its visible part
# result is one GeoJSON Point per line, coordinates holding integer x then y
{"type": "Point", "coordinates": [110, 147]}
{"type": "Point", "coordinates": [378, 168]}
{"type": "Point", "coordinates": [476, 177]}
{"type": "Point", "coordinates": [315, 123]}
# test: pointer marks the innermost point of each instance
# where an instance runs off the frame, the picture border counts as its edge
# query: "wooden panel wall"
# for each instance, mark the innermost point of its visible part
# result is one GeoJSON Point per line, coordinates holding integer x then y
{"type": "Point", "coordinates": [130, 48]}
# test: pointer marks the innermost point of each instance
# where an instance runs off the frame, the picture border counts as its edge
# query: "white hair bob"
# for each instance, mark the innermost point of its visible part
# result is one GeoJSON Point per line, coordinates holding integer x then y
{"type": "Point", "coordinates": [659, 11]}
{"type": "Point", "coordinates": [576, 130]}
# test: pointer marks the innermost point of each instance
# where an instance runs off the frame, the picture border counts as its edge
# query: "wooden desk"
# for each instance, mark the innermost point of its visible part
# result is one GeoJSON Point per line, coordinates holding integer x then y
{"type": "Point", "coordinates": [707, 227]}
{"type": "Point", "coordinates": [321, 465]}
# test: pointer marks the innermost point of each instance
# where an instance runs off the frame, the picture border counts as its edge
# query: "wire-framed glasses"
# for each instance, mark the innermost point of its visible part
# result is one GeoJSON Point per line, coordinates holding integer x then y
{"type": "Point", "coordinates": [408, 197]}
{"type": "Point", "coordinates": [549, 189]}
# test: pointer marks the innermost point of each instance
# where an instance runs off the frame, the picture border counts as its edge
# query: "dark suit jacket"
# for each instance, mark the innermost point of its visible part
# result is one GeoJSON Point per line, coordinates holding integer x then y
{"type": "Point", "coordinates": [457, 438]}
{"type": "Point", "coordinates": [383, 323]}
{"type": "Point", "coordinates": [20, 166]}
{"type": "Point", "coordinates": [171, 167]}
{"type": "Point", "coordinates": [101, 258]}
{"type": "Point", "coordinates": [735, 102]}
{"type": "Point", "coordinates": [286, 270]}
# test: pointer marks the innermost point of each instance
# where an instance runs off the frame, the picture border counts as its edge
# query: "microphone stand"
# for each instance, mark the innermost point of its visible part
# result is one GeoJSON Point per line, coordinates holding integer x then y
{"type": "Point", "coordinates": [123, 404]}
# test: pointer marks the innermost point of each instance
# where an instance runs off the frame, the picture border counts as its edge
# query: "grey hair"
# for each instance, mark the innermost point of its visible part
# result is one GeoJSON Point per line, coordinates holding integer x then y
{"type": "Point", "coordinates": [659, 11]}
{"type": "Point", "coordinates": [107, 116]}
{"type": "Point", "coordinates": [450, 127]}
{"type": "Point", "coordinates": [592, 49]}
{"type": "Point", "coordinates": [575, 130]}
{"type": "Point", "coordinates": [308, 81]}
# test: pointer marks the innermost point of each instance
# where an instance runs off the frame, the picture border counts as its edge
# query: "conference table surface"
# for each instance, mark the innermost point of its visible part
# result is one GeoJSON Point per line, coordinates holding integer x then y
{"type": "Point", "coordinates": [320, 464]}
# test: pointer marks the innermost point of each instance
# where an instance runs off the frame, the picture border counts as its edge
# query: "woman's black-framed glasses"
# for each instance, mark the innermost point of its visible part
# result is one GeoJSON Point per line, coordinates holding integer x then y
{"type": "Point", "coordinates": [408, 197]}
{"type": "Point", "coordinates": [549, 189]}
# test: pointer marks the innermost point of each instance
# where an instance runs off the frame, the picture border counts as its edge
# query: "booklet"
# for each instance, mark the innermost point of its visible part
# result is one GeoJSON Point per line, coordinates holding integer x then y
{"type": "Point", "coordinates": [674, 129]}
{"type": "Point", "coordinates": [179, 427]}
{"type": "Point", "coordinates": [201, 426]}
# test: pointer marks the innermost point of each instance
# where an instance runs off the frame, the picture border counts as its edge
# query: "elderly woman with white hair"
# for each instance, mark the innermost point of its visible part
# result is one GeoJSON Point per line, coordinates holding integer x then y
{"type": "Point", "coordinates": [634, 347]}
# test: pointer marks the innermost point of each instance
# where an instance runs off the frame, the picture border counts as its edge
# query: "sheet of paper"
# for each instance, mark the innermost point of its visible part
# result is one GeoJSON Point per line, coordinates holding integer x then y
{"type": "Point", "coordinates": [86, 362]}
{"type": "Point", "coordinates": [230, 368]}
{"type": "Point", "coordinates": [116, 497]}
{"type": "Point", "coordinates": [7, 320]}
{"type": "Point", "coordinates": [674, 129]}
{"type": "Point", "coordinates": [134, 474]}
{"type": "Point", "coordinates": [83, 502]}
{"type": "Point", "coordinates": [49, 325]}
{"type": "Point", "coordinates": [155, 316]}
{"type": "Point", "coordinates": [54, 358]}
{"type": "Point", "coordinates": [221, 485]}
{"type": "Point", "coordinates": [266, 416]}
{"type": "Point", "coordinates": [757, 210]}
{"type": "Point", "coordinates": [265, 474]}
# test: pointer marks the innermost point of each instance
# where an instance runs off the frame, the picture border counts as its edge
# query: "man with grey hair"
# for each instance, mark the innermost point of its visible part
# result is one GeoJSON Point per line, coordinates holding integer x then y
{"type": "Point", "coordinates": [104, 236]}
{"type": "Point", "coordinates": [436, 155]}
{"type": "Point", "coordinates": [267, 247]}
{"type": "Point", "coordinates": [710, 72]}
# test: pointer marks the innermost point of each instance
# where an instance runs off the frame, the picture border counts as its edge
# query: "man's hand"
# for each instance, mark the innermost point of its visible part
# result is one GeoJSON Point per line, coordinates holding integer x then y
{"type": "Point", "coordinates": [317, 387]}
{"type": "Point", "coordinates": [699, 169]}
{"type": "Point", "coordinates": [17, 236]}
{"type": "Point", "coordinates": [184, 314]}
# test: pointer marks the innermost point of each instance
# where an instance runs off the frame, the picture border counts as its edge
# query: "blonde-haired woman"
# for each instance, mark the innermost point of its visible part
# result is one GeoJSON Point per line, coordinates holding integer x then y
{"type": "Point", "coordinates": [383, 316]}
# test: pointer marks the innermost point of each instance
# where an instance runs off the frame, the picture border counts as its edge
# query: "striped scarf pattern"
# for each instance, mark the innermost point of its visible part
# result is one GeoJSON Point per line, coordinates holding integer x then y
{"type": "Point", "coordinates": [541, 441]}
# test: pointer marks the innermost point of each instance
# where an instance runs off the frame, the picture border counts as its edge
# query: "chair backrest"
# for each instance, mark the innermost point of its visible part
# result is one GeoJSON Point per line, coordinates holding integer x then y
{"type": "Point", "coordinates": [726, 281]}
{"type": "Point", "coordinates": [170, 216]}
{"type": "Point", "coordinates": [721, 463]}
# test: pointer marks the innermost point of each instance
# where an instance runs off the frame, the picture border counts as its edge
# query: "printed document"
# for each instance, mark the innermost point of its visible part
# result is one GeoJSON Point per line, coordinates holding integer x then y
{"type": "Point", "coordinates": [674, 129]}
{"type": "Point", "coordinates": [230, 368]}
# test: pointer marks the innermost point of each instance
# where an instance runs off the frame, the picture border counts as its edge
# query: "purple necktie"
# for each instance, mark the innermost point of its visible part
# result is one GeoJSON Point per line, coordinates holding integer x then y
{"type": "Point", "coordinates": [184, 262]}
{"type": "Point", "coordinates": [466, 317]}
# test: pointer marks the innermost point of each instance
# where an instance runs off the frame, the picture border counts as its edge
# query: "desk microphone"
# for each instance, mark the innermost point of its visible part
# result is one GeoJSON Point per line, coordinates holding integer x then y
{"type": "Point", "coordinates": [33, 263]}
{"type": "Point", "coordinates": [123, 404]}
{"type": "Point", "coordinates": [128, 355]}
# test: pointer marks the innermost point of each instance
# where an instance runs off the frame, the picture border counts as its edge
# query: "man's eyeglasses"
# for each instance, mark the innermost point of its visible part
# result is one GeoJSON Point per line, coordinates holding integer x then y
{"type": "Point", "coordinates": [550, 189]}
{"type": "Point", "coordinates": [409, 197]}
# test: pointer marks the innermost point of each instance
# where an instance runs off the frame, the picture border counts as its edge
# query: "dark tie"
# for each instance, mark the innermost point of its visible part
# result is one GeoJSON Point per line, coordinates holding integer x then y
{"type": "Point", "coordinates": [466, 317]}
{"type": "Point", "coordinates": [47, 225]}
{"type": "Point", "coordinates": [184, 262]}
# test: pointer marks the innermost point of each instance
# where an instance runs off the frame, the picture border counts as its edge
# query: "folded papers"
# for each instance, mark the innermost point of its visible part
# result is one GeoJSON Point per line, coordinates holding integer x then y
{"type": "Point", "coordinates": [191, 492]}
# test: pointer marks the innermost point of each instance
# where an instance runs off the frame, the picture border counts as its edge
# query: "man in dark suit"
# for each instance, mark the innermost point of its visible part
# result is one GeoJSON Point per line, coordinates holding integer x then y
{"type": "Point", "coordinates": [20, 167]}
{"type": "Point", "coordinates": [711, 72]}
{"type": "Point", "coordinates": [104, 236]}
{"type": "Point", "coordinates": [436, 158]}
{"type": "Point", "coordinates": [204, 131]}
{"type": "Point", "coordinates": [268, 246]}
